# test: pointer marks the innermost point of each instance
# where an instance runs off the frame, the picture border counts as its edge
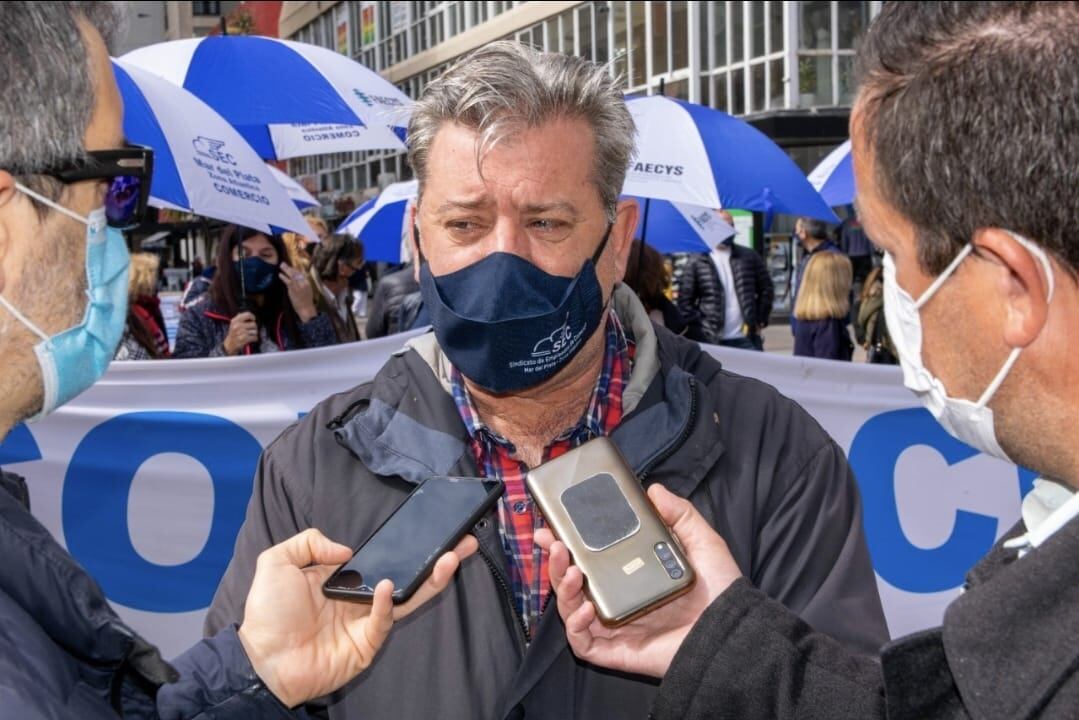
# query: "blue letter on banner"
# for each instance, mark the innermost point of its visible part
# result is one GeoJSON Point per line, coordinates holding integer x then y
{"type": "Point", "coordinates": [95, 500]}
{"type": "Point", "coordinates": [873, 456]}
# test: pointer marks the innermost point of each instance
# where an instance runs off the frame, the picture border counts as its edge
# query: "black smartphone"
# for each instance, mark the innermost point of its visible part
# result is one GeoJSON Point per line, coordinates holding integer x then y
{"type": "Point", "coordinates": [430, 522]}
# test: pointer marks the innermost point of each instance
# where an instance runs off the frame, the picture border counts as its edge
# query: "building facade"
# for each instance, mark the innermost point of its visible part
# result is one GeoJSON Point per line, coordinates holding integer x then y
{"type": "Point", "coordinates": [785, 67]}
{"type": "Point", "coordinates": [185, 19]}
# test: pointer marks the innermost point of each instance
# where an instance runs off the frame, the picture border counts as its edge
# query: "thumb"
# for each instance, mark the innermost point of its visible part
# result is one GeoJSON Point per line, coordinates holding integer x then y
{"type": "Point", "coordinates": [679, 514]}
{"type": "Point", "coordinates": [310, 547]}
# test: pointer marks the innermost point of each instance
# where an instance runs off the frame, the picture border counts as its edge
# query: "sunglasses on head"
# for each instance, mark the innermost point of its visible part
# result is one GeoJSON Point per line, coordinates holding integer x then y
{"type": "Point", "coordinates": [128, 169]}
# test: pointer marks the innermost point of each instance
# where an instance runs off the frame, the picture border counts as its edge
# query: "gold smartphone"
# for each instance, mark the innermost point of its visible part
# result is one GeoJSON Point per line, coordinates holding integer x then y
{"type": "Point", "coordinates": [596, 506]}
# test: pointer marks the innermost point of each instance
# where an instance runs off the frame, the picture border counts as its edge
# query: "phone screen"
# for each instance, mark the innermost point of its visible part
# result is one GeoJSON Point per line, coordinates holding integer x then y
{"type": "Point", "coordinates": [416, 532]}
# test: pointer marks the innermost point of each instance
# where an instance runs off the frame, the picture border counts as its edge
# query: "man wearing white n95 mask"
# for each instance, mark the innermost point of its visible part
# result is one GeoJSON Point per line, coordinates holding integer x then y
{"type": "Point", "coordinates": [68, 184]}
{"type": "Point", "coordinates": [966, 155]}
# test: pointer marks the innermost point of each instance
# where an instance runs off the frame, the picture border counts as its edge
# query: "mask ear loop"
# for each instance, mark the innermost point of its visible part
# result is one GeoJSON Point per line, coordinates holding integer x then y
{"type": "Point", "coordinates": [49, 203]}
{"type": "Point", "coordinates": [1014, 355]}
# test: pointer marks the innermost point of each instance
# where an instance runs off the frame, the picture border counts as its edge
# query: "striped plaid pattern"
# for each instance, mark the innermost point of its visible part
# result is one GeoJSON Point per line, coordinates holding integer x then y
{"type": "Point", "coordinates": [496, 458]}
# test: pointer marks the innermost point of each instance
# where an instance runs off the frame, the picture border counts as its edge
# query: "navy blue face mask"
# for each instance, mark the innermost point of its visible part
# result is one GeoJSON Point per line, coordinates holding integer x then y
{"type": "Point", "coordinates": [258, 275]}
{"type": "Point", "coordinates": [506, 324]}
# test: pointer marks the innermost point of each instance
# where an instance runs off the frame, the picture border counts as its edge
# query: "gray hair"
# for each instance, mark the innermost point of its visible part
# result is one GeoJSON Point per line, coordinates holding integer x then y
{"type": "Point", "coordinates": [46, 89]}
{"type": "Point", "coordinates": [505, 87]}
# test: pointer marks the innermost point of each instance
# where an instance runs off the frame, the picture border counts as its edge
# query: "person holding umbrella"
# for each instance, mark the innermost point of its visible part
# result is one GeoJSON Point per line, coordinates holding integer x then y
{"type": "Point", "coordinates": [63, 297]}
{"type": "Point", "coordinates": [257, 303]}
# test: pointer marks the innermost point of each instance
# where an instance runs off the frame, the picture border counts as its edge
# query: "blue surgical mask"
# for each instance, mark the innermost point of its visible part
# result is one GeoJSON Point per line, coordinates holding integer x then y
{"type": "Point", "coordinates": [506, 324]}
{"type": "Point", "coordinates": [258, 275]}
{"type": "Point", "coordinates": [73, 360]}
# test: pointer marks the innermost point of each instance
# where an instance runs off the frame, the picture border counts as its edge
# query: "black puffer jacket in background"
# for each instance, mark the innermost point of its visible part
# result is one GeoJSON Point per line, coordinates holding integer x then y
{"type": "Point", "coordinates": [385, 310]}
{"type": "Point", "coordinates": [703, 304]}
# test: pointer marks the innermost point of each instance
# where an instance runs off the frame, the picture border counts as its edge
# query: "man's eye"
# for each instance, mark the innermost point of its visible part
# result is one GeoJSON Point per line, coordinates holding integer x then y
{"type": "Point", "coordinates": [546, 224]}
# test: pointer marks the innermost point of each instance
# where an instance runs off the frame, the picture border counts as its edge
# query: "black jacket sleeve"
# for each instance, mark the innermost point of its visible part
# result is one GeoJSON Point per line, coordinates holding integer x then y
{"type": "Point", "coordinates": [749, 657]}
{"type": "Point", "coordinates": [376, 314]}
{"type": "Point", "coordinates": [766, 292]}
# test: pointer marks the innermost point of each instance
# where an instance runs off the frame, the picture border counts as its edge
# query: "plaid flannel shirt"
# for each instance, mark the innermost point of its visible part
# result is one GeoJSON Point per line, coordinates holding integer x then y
{"type": "Point", "coordinates": [496, 458]}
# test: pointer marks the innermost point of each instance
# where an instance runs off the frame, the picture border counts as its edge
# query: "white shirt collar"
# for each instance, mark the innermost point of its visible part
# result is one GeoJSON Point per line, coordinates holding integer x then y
{"type": "Point", "coordinates": [1046, 509]}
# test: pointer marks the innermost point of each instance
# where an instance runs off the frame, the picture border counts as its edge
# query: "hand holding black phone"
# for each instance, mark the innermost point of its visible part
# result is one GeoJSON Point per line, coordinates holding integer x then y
{"type": "Point", "coordinates": [430, 522]}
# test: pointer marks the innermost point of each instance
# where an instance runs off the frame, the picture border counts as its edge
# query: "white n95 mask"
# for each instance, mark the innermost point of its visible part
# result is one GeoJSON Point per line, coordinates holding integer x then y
{"type": "Point", "coordinates": [970, 422]}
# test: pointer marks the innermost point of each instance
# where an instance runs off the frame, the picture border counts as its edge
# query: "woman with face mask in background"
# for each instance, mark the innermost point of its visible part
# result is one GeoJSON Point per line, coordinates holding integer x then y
{"type": "Point", "coordinates": [257, 303]}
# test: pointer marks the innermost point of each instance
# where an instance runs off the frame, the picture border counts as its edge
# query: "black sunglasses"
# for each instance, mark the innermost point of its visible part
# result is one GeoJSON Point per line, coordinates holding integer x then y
{"type": "Point", "coordinates": [129, 169]}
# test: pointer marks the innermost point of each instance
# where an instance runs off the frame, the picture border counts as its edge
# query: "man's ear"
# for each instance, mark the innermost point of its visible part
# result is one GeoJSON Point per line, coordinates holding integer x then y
{"type": "Point", "coordinates": [1021, 280]}
{"type": "Point", "coordinates": [8, 220]}
{"type": "Point", "coordinates": [621, 240]}
{"type": "Point", "coordinates": [413, 240]}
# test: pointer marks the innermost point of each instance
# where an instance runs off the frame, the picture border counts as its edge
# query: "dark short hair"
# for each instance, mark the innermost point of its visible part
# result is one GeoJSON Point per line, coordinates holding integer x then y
{"type": "Point", "coordinates": [646, 275]}
{"type": "Point", "coordinates": [815, 228]}
{"type": "Point", "coordinates": [971, 113]}
{"type": "Point", "coordinates": [336, 248]}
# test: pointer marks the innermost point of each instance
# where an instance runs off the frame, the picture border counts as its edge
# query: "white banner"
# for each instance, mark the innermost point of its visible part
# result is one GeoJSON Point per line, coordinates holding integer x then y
{"type": "Point", "coordinates": [146, 477]}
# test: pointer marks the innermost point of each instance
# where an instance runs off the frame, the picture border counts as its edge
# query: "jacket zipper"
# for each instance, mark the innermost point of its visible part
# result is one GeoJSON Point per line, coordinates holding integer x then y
{"type": "Point", "coordinates": [506, 592]}
{"type": "Point", "coordinates": [682, 436]}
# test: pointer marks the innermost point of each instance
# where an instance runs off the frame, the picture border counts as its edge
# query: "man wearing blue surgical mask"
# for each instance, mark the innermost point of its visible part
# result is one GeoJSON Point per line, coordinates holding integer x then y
{"type": "Point", "coordinates": [521, 243]}
{"type": "Point", "coordinates": [68, 185]}
{"type": "Point", "coordinates": [965, 139]}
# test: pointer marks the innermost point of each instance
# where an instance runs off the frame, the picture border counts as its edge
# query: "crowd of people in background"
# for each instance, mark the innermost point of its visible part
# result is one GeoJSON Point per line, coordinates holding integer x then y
{"type": "Point", "coordinates": [293, 291]}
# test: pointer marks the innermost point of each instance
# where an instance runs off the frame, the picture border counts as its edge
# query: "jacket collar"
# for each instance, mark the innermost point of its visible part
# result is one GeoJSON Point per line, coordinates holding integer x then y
{"type": "Point", "coordinates": [411, 428]}
{"type": "Point", "coordinates": [1009, 638]}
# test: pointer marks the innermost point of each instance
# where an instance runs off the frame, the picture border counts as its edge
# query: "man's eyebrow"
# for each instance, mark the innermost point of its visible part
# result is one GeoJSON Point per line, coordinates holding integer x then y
{"type": "Point", "coordinates": [465, 204]}
{"type": "Point", "coordinates": [538, 208]}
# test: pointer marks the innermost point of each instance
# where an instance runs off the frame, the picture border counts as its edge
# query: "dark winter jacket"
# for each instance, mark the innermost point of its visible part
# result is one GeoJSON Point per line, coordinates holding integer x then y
{"type": "Point", "coordinates": [382, 316]}
{"type": "Point", "coordinates": [204, 327]}
{"type": "Point", "coordinates": [65, 654]}
{"type": "Point", "coordinates": [826, 339]}
{"type": "Point", "coordinates": [412, 313]}
{"type": "Point", "coordinates": [769, 478]}
{"type": "Point", "coordinates": [702, 302]}
{"type": "Point", "coordinates": [1007, 651]}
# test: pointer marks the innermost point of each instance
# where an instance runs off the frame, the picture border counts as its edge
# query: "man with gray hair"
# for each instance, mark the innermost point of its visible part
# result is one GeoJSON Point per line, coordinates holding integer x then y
{"type": "Point", "coordinates": [521, 243]}
{"type": "Point", "coordinates": [64, 653]}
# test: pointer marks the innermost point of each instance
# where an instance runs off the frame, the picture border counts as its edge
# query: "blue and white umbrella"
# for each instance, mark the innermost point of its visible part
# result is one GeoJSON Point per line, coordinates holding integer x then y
{"type": "Point", "coordinates": [286, 98]}
{"type": "Point", "coordinates": [834, 177]}
{"type": "Point", "coordinates": [295, 190]}
{"type": "Point", "coordinates": [201, 164]}
{"type": "Point", "coordinates": [380, 222]}
{"type": "Point", "coordinates": [677, 227]}
{"type": "Point", "coordinates": [696, 155]}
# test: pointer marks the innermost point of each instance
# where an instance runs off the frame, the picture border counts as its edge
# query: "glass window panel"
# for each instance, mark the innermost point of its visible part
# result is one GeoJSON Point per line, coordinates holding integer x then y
{"type": "Point", "coordinates": [552, 35]}
{"type": "Point", "coordinates": [846, 79]}
{"type": "Point", "coordinates": [815, 80]}
{"type": "Point", "coordinates": [537, 37]}
{"type": "Point", "coordinates": [659, 38]}
{"type": "Point", "coordinates": [584, 30]}
{"type": "Point", "coordinates": [719, 34]}
{"type": "Point", "coordinates": [756, 20]}
{"type": "Point", "coordinates": [775, 19]}
{"type": "Point", "coordinates": [638, 48]}
{"type": "Point", "coordinates": [816, 30]}
{"type": "Point", "coordinates": [852, 21]}
{"type": "Point", "coordinates": [678, 89]}
{"type": "Point", "coordinates": [775, 85]}
{"type": "Point", "coordinates": [737, 32]}
{"type": "Point", "coordinates": [703, 38]}
{"type": "Point", "coordinates": [567, 32]}
{"type": "Point", "coordinates": [719, 96]}
{"type": "Point", "coordinates": [738, 92]}
{"type": "Point", "coordinates": [680, 34]}
{"type": "Point", "coordinates": [706, 90]}
{"type": "Point", "coordinates": [756, 79]}
{"type": "Point", "coordinates": [618, 17]}
{"type": "Point", "coordinates": [602, 13]}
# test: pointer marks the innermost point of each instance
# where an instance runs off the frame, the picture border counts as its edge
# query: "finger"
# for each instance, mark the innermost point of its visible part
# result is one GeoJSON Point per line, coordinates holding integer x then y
{"type": "Point", "coordinates": [307, 548]}
{"type": "Point", "coordinates": [558, 563]}
{"type": "Point", "coordinates": [544, 538]}
{"type": "Point", "coordinates": [285, 267]}
{"type": "Point", "coordinates": [691, 529]}
{"type": "Point", "coordinates": [286, 278]}
{"type": "Point", "coordinates": [436, 582]}
{"type": "Point", "coordinates": [466, 547]}
{"type": "Point", "coordinates": [570, 595]}
{"type": "Point", "coordinates": [578, 630]}
{"type": "Point", "coordinates": [380, 621]}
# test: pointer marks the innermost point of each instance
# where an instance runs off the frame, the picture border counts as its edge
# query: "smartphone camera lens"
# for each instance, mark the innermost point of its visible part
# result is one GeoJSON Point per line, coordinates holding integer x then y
{"type": "Point", "coordinates": [676, 574]}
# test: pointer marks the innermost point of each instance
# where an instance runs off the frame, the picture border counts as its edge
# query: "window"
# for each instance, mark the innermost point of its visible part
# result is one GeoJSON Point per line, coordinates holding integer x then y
{"type": "Point", "coordinates": [776, 94]}
{"type": "Point", "coordinates": [202, 9]}
{"type": "Point", "coordinates": [603, 11]}
{"type": "Point", "coordinates": [738, 47]}
{"type": "Point", "coordinates": [756, 79]}
{"type": "Point", "coordinates": [756, 24]}
{"type": "Point", "coordinates": [816, 26]}
{"type": "Point", "coordinates": [659, 38]}
{"type": "Point", "coordinates": [775, 23]}
{"type": "Point", "coordinates": [815, 80]}
{"type": "Point", "coordinates": [719, 34]}
{"type": "Point", "coordinates": [679, 35]}
{"type": "Point", "coordinates": [637, 50]}
{"type": "Point", "coordinates": [584, 31]}
{"type": "Point", "coordinates": [738, 92]}
{"type": "Point", "coordinates": [851, 23]}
